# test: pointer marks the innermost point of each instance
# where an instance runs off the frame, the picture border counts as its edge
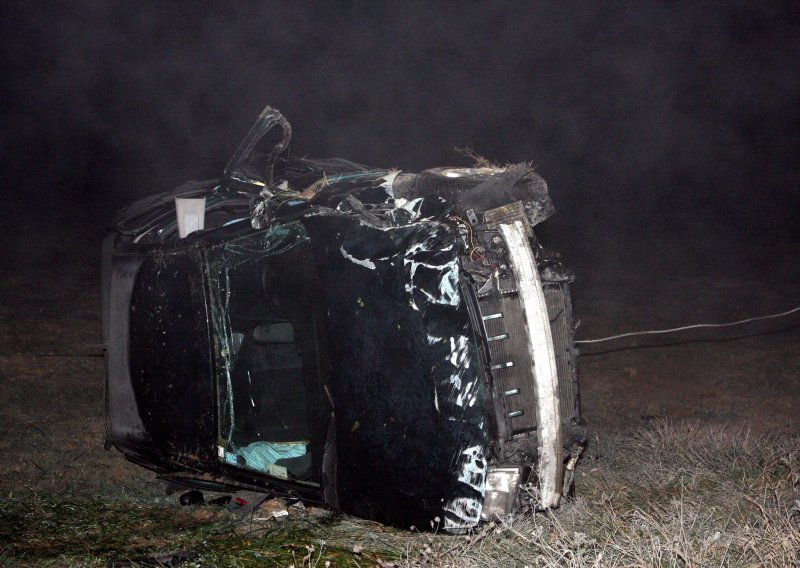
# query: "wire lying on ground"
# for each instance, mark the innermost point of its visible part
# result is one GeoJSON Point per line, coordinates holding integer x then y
{"type": "Point", "coordinates": [686, 327]}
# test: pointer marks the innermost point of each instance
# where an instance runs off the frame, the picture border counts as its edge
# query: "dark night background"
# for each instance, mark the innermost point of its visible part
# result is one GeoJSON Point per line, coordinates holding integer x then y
{"type": "Point", "coordinates": [668, 132]}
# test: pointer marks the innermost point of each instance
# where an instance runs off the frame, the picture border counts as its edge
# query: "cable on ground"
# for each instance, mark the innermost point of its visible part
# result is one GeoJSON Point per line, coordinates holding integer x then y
{"type": "Point", "coordinates": [686, 327]}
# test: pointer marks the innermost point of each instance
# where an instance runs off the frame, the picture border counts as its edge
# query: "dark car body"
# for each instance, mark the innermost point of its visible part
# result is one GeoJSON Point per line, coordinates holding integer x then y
{"type": "Point", "coordinates": [393, 345]}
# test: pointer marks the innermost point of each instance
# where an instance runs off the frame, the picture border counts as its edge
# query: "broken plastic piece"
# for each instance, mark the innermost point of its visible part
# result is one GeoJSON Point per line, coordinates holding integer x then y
{"type": "Point", "coordinates": [502, 485]}
{"type": "Point", "coordinates": [191, 498]}
{"type": "Point", "coordinates": [191, 215]}
{"type": "Point", "coordinates": [244, 502]}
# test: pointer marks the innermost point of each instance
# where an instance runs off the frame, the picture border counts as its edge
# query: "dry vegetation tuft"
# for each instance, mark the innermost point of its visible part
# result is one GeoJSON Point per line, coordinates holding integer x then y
{"type": "Point", "coordinates": [478, 161]}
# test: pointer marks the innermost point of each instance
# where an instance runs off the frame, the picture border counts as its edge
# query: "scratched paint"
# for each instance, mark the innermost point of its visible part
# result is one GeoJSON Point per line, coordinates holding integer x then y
{"type": "Point", "coordinates": [366, 263]}
{"type": "Point", "coordinates": [421, 269]}
{"type": "Point", "coordinates": [464, 512]}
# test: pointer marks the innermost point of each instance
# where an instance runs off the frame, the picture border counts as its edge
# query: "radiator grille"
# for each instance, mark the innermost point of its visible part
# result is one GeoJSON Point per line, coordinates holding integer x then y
{"type": "Point", "coordinates": [559, 310]}
{"type": "Point", "coordinates": [510, 358]}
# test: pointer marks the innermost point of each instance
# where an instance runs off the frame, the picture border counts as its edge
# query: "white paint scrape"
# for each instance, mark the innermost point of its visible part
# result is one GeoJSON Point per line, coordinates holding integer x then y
{"type": "Point", "coordinates": [366, 263]}
{"type": "Point", "coordinates": [465, 512]}
{"type": "Point", "coordinates": [448, 291]}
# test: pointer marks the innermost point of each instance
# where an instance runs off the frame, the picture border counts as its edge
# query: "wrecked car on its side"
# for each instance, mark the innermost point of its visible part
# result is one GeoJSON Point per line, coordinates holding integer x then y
{"type": "Point", "coordinates": [393, 345]}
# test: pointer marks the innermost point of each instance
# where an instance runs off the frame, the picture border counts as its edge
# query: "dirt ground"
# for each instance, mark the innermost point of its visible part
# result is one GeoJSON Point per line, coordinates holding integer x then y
{"type": "Point", "coordinates": [51, 380]}
{"type": "Point", "coordinates": [51, 366]}
{"type": "Point", "coordinates": [746, 375]}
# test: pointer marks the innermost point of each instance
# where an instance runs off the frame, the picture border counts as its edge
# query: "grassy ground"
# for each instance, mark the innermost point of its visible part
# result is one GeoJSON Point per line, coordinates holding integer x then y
{"type": "Point", "coordinates": [666, 495]}
{"type": "Point", "coordinates": [682, 493]}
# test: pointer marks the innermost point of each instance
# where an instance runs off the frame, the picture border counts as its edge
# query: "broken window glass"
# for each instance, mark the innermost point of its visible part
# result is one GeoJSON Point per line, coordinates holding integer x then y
{"type": "Point", "coordinates": [267, 322]}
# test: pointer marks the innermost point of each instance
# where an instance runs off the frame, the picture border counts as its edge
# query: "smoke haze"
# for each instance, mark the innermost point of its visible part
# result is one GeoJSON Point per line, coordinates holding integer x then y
{"type": "Point", "coordinates": [667, 131]}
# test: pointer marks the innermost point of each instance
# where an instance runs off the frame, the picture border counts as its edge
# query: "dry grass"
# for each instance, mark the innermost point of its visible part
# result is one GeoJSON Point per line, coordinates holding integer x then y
{"type": "Point", "coordinates": [478, 161]}
{"type": "Point", "coordinates": [669, 495]}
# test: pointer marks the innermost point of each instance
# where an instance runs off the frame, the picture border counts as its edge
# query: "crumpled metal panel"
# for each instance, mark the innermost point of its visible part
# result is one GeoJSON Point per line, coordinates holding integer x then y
{"type": "Point", "coordinates": [406, 378]}
{"type": "Point", "coordinates": [169, 356]}
{"type": "Point", "coordinates": [403, 370]}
